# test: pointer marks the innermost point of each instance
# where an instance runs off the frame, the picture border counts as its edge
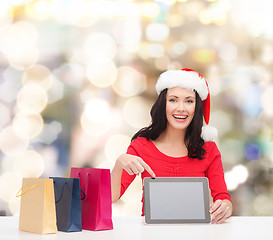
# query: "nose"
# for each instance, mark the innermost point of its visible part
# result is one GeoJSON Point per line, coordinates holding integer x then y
{"type": "Point", "coordinates": [180, 106]}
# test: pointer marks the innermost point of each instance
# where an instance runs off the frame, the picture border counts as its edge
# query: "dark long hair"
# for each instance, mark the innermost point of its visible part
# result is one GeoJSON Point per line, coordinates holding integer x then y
{"type": "Point", "coordinates": [193, 141]}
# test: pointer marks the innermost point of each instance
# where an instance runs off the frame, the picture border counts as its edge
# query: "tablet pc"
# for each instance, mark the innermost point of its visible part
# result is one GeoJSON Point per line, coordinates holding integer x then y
{"type": "Point", "coordinates": [176, 200]}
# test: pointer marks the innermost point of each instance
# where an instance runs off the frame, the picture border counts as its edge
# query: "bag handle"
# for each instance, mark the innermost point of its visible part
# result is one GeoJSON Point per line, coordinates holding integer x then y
{"type": "Point", "coordinates": [84, 195]}
{"type": "Point", "coordinates": [86, 187]}
{"type": "Point", "coordinates": [26, 190]}
{"type": "Point", "coordinates": [61, 192]}
{"type": "Point", "coordinates": [82, 198]}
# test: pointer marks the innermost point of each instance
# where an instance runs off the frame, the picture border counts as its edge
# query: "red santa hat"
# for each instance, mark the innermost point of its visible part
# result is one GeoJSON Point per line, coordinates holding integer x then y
{"type": "Point", "coordinates": [190, 79]}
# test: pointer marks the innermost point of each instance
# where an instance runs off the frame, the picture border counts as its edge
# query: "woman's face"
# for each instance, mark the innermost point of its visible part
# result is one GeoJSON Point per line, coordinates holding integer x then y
{"type": "Point", "coordinates": [180, 107]}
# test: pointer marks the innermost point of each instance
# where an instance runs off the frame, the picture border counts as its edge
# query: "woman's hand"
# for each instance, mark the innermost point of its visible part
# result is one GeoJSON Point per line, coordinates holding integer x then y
{"type": "Point", "coordinates": [220, 210]}
{"type": "Point", "coordinates": [133, 164]}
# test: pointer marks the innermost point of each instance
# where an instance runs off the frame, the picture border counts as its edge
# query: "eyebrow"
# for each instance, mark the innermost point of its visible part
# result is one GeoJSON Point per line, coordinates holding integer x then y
{"type": "Point", "coordinates": [191, 97]}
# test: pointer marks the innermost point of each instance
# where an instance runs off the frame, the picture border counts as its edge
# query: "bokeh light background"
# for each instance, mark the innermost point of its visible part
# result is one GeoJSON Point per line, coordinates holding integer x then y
{"type": "Point", "coordinates": [77, 81]}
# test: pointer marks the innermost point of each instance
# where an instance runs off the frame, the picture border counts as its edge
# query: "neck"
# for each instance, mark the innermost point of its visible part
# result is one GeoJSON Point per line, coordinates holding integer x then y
{"type": "Point", "coordinates": [173, 136]}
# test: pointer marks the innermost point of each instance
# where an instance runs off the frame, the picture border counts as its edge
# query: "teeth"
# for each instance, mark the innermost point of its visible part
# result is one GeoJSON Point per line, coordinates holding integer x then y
{"type": "Point", "coordinates": [180, 117]}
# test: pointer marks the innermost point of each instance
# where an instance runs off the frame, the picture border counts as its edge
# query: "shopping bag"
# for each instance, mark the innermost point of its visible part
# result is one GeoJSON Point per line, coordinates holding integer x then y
{"type": "Point", "coordinates": [97, 205]}
{"type": "Point", "coordinates": [37, 211]}
{"type": "Point", "coordinates": [68, 204]}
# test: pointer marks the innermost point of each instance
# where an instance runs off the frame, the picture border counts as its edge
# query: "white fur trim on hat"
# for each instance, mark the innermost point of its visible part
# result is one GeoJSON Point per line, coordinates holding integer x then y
{"type": "Point", "coordinates": [209, 133]}
{"type": "Point", "coordinates": [185, 79]}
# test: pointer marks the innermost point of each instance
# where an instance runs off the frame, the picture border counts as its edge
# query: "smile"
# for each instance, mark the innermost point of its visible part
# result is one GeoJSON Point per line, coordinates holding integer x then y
{"type": "Point", "coordinates": [182, 117]}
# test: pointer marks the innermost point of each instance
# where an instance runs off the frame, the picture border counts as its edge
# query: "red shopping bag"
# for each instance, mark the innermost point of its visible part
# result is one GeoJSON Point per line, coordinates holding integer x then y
{"type": "Point", "coordinates": [97, 204]}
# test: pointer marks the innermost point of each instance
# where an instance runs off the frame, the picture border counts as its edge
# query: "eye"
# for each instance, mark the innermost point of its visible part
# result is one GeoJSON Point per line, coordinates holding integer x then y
{"type": "Point", "coordinates": [190, 101]}
{"type": "Point", "coordinates": [172, 100]}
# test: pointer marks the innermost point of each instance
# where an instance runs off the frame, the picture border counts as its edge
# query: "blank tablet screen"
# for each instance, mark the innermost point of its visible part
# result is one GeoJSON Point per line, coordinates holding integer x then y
{"type": "Point", "coordinates": [176, 200]}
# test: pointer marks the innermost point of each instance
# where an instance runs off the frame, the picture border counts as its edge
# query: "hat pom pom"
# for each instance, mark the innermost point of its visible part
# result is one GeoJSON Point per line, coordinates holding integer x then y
{"type": "Point", "coordinates": [209, 133]}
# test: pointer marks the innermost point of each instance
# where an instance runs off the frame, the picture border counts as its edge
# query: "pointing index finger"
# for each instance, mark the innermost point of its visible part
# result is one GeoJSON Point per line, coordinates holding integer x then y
{"type": "Point", "coordinates": [147, 167]}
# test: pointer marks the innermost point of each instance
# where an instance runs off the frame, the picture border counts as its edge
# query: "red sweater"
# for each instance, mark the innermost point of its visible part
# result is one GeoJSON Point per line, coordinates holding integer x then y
{"type": "Point", "coordinates": [166, 166]}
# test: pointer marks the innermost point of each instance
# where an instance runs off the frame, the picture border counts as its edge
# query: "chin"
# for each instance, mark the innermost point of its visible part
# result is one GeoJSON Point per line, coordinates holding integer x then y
{"type": "Point", "coordinates": [177, 127]}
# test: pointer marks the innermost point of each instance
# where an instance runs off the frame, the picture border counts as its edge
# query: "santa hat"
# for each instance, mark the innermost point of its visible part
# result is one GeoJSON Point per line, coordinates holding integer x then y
{"type": "Point", "coordinates": [190, 79]}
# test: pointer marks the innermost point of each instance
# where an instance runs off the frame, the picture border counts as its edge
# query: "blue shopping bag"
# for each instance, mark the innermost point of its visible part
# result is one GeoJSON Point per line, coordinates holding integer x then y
{"type": "Point", "coordinates": [68, 204]}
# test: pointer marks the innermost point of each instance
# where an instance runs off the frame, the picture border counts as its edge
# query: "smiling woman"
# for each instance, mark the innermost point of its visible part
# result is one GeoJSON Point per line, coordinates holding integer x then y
{"type": "Point", "coordinates": [175, 143]}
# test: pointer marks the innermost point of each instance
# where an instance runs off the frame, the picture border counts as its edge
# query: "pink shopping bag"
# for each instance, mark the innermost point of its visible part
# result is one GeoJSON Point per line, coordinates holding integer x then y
{"type": "Point", "coordinates": [97, 204]}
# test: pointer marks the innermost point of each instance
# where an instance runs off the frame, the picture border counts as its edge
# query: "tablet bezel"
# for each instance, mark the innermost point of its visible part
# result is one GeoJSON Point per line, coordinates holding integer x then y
{"type": "Point", "coordinates": [147, 212]}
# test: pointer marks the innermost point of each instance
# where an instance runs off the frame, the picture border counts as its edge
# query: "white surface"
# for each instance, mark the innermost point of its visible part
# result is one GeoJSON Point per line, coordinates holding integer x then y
{"type": "Point", "coordinates": [241, 228]}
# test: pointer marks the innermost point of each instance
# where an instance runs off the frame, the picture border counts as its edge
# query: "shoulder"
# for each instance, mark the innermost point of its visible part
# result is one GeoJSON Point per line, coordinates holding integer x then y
{"type": "Point", "coordinates": [211, 148]}
{"type": "Point", "coordinates": [209, 145]}
{"type": "Point", "coordinates": [140, 142]}
{"type": "Point", "coordinates": [140, 146]}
